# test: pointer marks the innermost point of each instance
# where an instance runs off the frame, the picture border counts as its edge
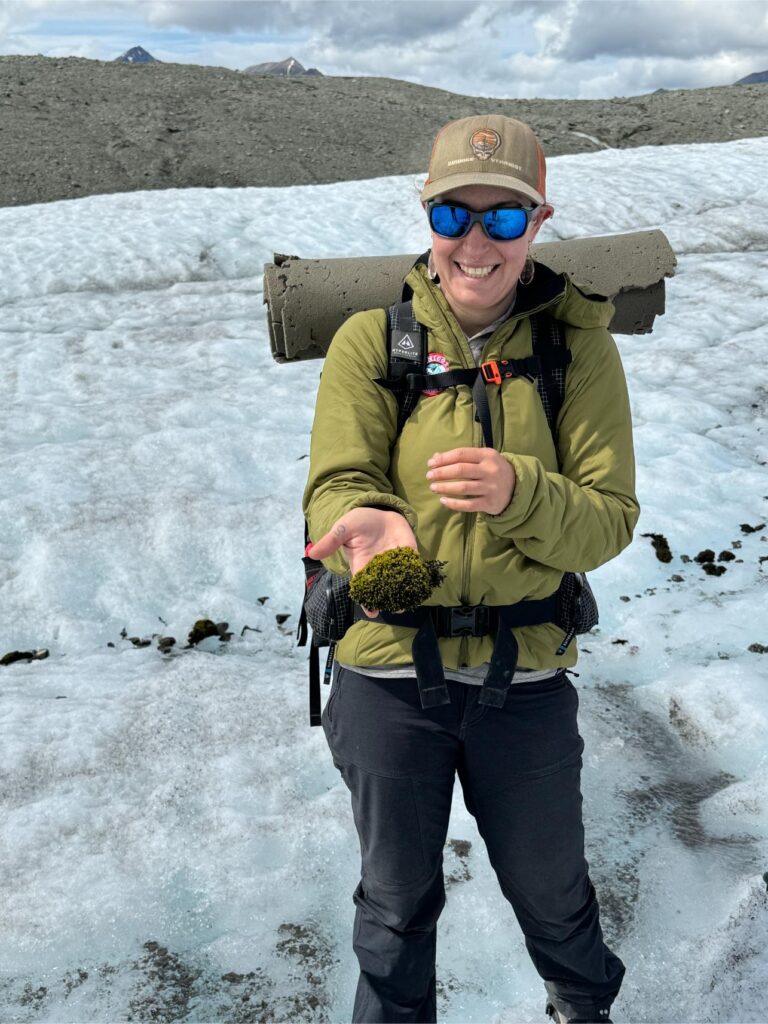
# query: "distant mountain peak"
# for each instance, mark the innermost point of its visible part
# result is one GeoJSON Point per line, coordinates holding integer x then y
{"type": "Point", "coordinates": [290, 67]}
{"type": "Point", "coordinates": [136, 55]}
{"type": "Point", "coordinates": [758, 76]}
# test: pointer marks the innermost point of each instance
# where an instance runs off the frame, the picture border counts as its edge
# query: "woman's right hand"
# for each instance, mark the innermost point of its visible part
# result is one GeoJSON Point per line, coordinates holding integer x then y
{"type": "Point", "coordinates": [363, 533]}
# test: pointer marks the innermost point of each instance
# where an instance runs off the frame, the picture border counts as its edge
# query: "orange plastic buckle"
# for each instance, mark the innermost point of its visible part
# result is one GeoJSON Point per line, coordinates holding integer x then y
{"type": "Point", "coordinates": [490, 372]}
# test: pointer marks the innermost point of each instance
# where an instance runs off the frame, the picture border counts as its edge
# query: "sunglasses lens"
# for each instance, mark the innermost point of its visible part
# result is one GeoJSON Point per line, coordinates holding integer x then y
{"type": "Point", "coordinates": [502, 225]}
{"type": "Point", "coordinates": [449, 221]}
{"type": "Point", "coordinates": [506, 224]}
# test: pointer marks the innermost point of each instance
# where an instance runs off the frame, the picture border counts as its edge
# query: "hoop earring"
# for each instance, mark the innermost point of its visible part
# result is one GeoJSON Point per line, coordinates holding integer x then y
{"type": "Point", "coordinates": [433, 275]}
{"type": "Point", "coordinates": [529, 269]}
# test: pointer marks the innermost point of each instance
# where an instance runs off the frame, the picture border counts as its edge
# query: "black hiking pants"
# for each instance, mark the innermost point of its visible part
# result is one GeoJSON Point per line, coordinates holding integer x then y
{"type": "Point", "coordinates": [519, 768]}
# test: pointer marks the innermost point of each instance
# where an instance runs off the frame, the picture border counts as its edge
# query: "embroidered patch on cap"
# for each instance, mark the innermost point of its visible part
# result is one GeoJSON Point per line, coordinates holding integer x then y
{"type": "Point", "coordinates": [484, 143]}
{"type": "Point", "coordinates": [436, 363]}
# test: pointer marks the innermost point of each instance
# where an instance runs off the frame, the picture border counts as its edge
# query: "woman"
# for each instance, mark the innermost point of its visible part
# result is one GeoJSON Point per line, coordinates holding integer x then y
{"type": "Point", "coordinates": [508, 521]}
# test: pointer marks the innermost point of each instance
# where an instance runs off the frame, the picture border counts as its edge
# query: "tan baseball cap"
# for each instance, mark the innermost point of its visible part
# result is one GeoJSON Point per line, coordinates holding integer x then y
{"type": "Point", "coordinates": [487, 150]}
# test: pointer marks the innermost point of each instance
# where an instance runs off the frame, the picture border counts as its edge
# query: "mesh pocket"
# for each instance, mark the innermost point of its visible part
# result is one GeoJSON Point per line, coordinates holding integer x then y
{"type": "Point", "coordinates": [576, 607]}
{"type": "Point", "coordinates": [327, 603]}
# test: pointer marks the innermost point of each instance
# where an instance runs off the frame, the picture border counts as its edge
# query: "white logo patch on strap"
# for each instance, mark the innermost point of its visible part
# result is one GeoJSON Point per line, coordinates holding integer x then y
{"type": "Point", "coordinates": [404, 346]}
{"type": "Point", "coordinates": [436, 363]}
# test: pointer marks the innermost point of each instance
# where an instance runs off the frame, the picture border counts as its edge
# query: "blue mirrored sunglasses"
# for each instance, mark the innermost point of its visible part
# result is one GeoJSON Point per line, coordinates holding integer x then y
{"type": "Point", "coordinates": [501, 224]}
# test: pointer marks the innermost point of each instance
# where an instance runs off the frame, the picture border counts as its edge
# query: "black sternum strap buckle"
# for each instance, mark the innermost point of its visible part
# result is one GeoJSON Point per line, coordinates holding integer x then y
{"type": "Point", "coordinates": [465, 620]}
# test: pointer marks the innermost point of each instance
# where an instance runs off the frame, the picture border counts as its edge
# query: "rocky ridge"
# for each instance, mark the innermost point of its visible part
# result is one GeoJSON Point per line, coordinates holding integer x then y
{"type": "Point", "coordinates": [71, 127]}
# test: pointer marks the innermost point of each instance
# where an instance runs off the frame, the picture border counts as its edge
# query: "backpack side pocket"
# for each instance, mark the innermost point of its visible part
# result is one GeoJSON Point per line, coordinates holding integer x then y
{"type": "Point", "coordinates": [327, 603]}
{"type": "Point", "coordinates": [577, 607]}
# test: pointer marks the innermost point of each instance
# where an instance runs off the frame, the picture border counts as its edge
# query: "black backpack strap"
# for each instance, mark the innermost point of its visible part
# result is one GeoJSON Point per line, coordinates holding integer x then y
{"type": "Point", "coordinates": [482, 409]}
{"type": "Point", "coordinates": [406, 339]}
{"type": "Point", "coordinates": [301, 631]}
{"type": "Point", "coordinates": [547, 364]}
{"type": "Point", "coordinates": [549, 348]}
{"type": "Point", "coordinates": [406, 357]}
{"type": "Point", "coordinates": [503, 662]}
{"type": "Point", "coordinates": [406, 352]}
{"type": "Point", "coordinates": [311, 568]}
{"type": "Point", "coordinates": [314, 679]}
{"type": "Point", "coordinates": [314, 686]}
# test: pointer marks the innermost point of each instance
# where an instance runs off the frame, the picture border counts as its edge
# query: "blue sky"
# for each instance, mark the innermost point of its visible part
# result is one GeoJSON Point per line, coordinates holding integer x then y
{"type": "Point", "coordinates": [550, 48]}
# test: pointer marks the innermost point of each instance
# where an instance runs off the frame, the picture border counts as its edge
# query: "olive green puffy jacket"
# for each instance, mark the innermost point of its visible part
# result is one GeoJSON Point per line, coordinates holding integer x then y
{"type": "Point", "coordinates": [572, 509]}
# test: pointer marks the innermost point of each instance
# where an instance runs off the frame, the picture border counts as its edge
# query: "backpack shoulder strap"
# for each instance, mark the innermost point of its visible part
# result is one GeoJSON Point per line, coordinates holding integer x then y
{"type": "Point", "coordinates": [548, 336]}
{"type": "Point", "coordinates": [406, 354]}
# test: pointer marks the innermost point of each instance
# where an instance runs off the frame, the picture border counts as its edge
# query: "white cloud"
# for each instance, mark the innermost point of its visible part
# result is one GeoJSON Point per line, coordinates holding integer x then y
{"type": "Point", "coordinates": [352, 22]}
{"type": "Point", "coordinates": [654, 28]}
{"type": "Point", "coordinates": [222, 17]}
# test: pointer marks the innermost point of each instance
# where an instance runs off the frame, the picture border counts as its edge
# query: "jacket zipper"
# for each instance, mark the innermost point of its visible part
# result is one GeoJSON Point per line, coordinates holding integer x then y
{"type": "Point", "coordinates": [469, 530]}
{"type": "Point", "coordinates": [471, 517]}
{"type": "Point", "coordinates": [471, 523]}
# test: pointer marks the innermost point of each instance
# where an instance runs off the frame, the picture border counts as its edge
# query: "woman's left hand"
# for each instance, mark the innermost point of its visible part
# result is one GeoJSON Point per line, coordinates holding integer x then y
{"type": "Point", "coordinates": [472, 479]}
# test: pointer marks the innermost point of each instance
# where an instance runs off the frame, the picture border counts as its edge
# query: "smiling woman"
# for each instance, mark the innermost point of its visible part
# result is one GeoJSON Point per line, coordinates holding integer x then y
{"type": "Point", "coordinates": [479, 271]}
{"type": "Point", "coordinates": [550, 494]}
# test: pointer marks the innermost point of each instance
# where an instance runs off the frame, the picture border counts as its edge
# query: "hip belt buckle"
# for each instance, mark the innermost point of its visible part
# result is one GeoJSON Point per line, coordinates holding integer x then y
{"type": "Point", "coordinates": [467, 620]}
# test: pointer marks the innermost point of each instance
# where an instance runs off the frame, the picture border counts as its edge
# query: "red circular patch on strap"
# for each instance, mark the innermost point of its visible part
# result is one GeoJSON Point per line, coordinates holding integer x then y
{"type": "Point", "coordinates": [436, 363]}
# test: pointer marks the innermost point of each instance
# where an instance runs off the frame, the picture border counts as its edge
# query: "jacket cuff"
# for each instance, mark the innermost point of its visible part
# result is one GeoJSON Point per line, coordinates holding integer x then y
{"type": "Point", "coordinates": [387, 503]}
{"type": "Point", "coordinates": [519, 508]}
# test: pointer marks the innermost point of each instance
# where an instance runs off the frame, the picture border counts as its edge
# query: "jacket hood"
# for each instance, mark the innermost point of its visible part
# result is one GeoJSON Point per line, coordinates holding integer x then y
{"type": "Point", "coordinates": [557, 293]}
{"type": "Point", "coordinates": [580, 308]}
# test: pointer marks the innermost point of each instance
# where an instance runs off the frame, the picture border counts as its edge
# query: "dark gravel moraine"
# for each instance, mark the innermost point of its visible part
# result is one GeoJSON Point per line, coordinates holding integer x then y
{"type": "Point", "coordinates": [71, 127]}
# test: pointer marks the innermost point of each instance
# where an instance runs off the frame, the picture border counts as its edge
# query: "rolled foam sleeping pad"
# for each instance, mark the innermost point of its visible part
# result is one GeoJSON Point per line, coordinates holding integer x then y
{"type": "Point", "coordinates": [308, 300]}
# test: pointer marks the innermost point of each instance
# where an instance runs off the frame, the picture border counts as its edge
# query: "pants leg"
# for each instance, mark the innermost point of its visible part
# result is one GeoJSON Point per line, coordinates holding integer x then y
{"type": "Point", "coordinates": [520, 772]}
{"type": "Point", "coordinates": [399, 763]}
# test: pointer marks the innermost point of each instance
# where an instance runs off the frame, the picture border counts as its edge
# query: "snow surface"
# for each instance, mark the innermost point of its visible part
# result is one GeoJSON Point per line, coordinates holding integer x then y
{"type": "Point", "coordinates": [176, 842]}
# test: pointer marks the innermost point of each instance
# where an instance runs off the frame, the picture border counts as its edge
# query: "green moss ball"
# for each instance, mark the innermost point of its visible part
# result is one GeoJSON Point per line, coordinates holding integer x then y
{"type": "Point", "coordinates": [396, 580]}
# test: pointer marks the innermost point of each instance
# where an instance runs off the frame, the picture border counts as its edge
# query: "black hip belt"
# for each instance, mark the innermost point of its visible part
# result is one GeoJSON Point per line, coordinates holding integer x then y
{"type": "Point", "coordinates": [433, 621]}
